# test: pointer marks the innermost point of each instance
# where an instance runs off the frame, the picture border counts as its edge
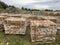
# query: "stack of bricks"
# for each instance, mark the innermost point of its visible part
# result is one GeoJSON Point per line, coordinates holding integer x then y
{"type": "Point", "coordinates": [43, 30]}
{"type": "Point", "coordinates": [15, 25]}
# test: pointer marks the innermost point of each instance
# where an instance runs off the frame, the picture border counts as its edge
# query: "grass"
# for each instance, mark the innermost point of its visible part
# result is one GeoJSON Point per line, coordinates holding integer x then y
{"type": "Point", "coordinates": [58, 37]}
{"type": "Point", "coordinates": [13, 40]}
{"type": "Point", "coordinates": [2, 9]}
{"type": "Point", "coordinates": [23, 40]}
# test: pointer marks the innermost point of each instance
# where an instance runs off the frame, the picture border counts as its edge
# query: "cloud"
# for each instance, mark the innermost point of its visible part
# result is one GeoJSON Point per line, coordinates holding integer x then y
{"type": "Point", "coordinates": [41, 6]}
{"type": "Point", "coordinates": [25, 1]}
{"type": "Point", "coordinates": [35, 4]}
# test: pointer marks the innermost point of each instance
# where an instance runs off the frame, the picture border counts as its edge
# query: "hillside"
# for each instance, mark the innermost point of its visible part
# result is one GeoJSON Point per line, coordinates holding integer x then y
{"type": "Point", "coordinates": [3, 6]}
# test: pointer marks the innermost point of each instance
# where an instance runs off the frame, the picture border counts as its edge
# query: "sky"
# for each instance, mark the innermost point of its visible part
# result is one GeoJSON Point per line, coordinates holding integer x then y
{"type": "Point", "coordinates": [35, 4]}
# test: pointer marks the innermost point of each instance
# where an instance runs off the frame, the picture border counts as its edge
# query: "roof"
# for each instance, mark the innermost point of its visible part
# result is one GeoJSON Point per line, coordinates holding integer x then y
{"type": "Point", "coordinates": [15, 19]}
{"type": "Point", "coordinates": [41, 23]}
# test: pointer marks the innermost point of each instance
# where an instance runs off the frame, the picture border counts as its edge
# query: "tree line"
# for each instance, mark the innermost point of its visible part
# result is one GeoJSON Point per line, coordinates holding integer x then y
{"type": "Point", "coordinates": [4, 6]}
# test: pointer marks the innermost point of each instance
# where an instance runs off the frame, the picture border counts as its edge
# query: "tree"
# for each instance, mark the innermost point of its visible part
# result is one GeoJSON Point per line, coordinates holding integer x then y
{"type": "Point", "coordinates": [22, 8]}
{"type": "Point", "coordinates": [11, 6]}
{"type": "Point", "coordinates": [26, 9]}
{"type": "Point", "coordinates": [48, 10]}
{"type": "Point", "coordinates": [3, 5]}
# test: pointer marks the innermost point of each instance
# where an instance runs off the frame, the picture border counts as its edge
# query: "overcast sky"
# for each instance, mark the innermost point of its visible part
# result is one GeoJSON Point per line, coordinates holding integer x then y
{"type": "Point", "coordinates": [35, 4]}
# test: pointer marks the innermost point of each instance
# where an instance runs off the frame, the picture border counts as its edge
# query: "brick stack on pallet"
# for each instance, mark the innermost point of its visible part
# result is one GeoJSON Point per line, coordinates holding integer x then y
{"type": "Point", "coordinates": [42, 30]}
{"type": "Point", "coordinates": [15, 25]}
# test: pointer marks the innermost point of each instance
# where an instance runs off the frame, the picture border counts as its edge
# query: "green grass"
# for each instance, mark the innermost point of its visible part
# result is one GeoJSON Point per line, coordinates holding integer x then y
{"type": "Point", "coordinates": [58, 37]}
{"type": "Point", "coordinates": [23, 40]}
{"type": "Point", "coordinates": [13, 40]}
{"type": "Point", "coordinates": [1, 9]}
